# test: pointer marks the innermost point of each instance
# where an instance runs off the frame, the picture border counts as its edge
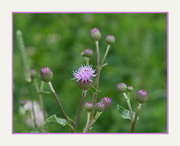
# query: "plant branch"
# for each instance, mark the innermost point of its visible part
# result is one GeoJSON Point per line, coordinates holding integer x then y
{"type": "Point", "coordinates": [80, 109]}
{"type": "Point", "coordinates": [129, 105]}
{"type": "Point", "coordinates": [92, 122]}
{"type": "Point", "coordinates": [135, 119]}
{"type": "Point", "coordinates": [59, 103]}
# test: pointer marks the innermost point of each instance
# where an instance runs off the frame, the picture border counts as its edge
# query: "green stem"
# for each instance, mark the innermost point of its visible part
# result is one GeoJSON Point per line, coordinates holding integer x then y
{"type": "Point", "coordinates": [92, 122]}
{"type": "Point", "coordinates": [32, 108]}
{"type": "Point", "coordinates": [80, 109]}
{"type": "Point", "coordinates": [59, 103]}
{"type": "Point", "coordinates": [88, 119]}
{"type": "Point", "coordinates": [40, 97]}
{"type": "Point", "coordinates": [135, 119]}
{"type": "Point", "coordinates": [129, 105]}
{"type": "Point", "coordinates": [105, 55]}
{"type": "Point", "coordinates": [87, 61]}
{"type": "Point", "coordinates": [97, 80]}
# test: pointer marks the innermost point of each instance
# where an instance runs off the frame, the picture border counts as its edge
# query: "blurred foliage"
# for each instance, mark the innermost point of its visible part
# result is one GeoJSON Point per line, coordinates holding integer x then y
{"type": "Point", "coordinates": [138, 58]}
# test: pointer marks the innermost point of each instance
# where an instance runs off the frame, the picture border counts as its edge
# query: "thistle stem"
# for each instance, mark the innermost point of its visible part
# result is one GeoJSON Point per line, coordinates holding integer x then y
{"type": "Point", "coordinates": [97, 80]}
{"type": "Point", "coordinates": [40, 97]}
{"type": "Point", "coordinates": [135, 119]}
{"type": "Point", "coordinates": [59, 103]}
{"type": "Point", "coordinates": [107, 50]}
{"type": "Point", "coordinates": [32, 108]}
{"type": "Point", "coordinates": [87, 61]}
{"type": "Point", "coordinates": [129, 105]}
{"type": "Point", "coordinates": [80, 109]}
{"type": "Point", "coordinates": [88, 119]}
{"type": "Point", "coordinates": [92, 122]}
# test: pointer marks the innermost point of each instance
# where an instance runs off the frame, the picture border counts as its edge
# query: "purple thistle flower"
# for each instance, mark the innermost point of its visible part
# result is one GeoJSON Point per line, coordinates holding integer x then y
{"type": "Point", "coordinates": [84, 76]}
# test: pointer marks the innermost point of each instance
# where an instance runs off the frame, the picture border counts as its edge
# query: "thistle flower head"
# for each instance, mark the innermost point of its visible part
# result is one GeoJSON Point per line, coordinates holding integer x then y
{"type": "Point", "coordinates": [84, 76]}
{"type": "Point", "coordinates": [88, 53]}
{"type": "Point", "coordinates": [46, 74]}
{"type": "Point", "coordinates": [110, 39]}
{"type": "Point", "coordinates": [130, 88]}
{"type": "Point", "coordinates": [107, 102]}
{"type": "Point", "coordinates": [100, 107]}
{"type": "Point", "coordinates": [121, 87]}
{"type": "Point", "coordinates": [95, 34]}
{"type": "Point", "coordinates": [89, 106]}
{"type": "Point", "coordinates": [33, 74]}
{"type": "Point", "coordinates": [141, 96]}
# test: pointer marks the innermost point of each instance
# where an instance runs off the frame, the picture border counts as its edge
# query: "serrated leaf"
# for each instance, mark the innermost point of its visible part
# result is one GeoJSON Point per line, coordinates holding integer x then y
{"type": "Point", "coordinates": [57, 120]}
{"type": "Point", "coordinates": [124, 113]}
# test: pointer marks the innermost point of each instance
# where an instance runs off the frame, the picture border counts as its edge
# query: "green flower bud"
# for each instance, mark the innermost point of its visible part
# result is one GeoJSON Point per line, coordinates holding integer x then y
{"type": "Point", "coordinates": [46, 74]}
{"type": "Point", "coordinates": [110, 39]}
{"type": "Point", "coordinates": [141, 96]}
{"type": "Point", "coordinates": [95, 34]}
{"type": "Point", "coordinates": [121, 87]}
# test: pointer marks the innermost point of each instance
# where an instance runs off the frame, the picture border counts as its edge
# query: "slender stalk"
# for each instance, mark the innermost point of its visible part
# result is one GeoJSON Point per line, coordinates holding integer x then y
{"type": "Point", "coordinates": [80, 109]}
{"type": "Point", "coordinates": [40, 97]}
{"type": "Point", "coordinates": [107, 50]}
{"type": "Point", "coordinates": [97, 79]}
{"type": "Point", "coordinates": [87, 61]}
{"type": "Point", "coordinates": [32, 108]}
{"type": "Point", "coordinates": [59, 103]}
{"type": "Point", "coordinates": [135, 119]}
{"type": "Point", "coordinates": [92, 122]}
{"type": "Point", "coordinates": [88, 119]}
{"type": "Point", "coordinates": [129, 105]}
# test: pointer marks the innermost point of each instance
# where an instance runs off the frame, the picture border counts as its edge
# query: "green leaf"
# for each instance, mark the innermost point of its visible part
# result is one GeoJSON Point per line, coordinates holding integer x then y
{"type": "Point", "coordinates": [124, 113]}
{"type": "Point", "coordinates": [57, 120]}
{"type": "Point", "coordinates": [93, 89]}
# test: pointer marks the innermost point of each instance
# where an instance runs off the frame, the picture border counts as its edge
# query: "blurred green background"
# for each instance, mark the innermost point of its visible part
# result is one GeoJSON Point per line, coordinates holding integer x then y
{"type": "Point", "coordinates": [138, 58]}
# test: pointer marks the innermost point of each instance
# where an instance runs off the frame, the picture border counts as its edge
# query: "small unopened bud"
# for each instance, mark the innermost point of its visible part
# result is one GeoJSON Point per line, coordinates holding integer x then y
{"type": "Point", "coordinates": [82, 54]}
{"type": "Point", "coordinates": [46, 74]}
{"type": "Point", "coordinates": [141, 96]}
{"type": "Point", "coordinates": [107, 102]}
{"type": "Point", "coordinates": [22, 102]}
{"type": "Point", "coordinates": [130, 88]}
{"type": "Point", "coordinates": [121, 87]}
{"type": "Point", "coordinates": [95, 34]}
{"type": "Point", "coordinates": [89, 106]}
{"type": "Point", "coordinates": [88, 53]}
{"type": "Point", "coordinates": [33, 74]}
{"type": "Point", "coordinates": [100, 107]}
{"type": "Point", "coordinates": [110, 39]}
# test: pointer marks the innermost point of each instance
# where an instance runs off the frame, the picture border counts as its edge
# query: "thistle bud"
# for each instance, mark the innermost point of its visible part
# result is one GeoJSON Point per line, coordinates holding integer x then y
{"type": "Point", "coordinates": [22, 102]}
{"type": "Point", "coordinates": [107, 102]}
{"type": "Point", "coordinates": [141, 96]}
{"type": "Point", "coordinates": [130, 88]}
{"type": "Point", "coordinates": [100, 107]}
{"type": "Point", "coordinates": [95, 34]}
{"type": "Point", "coordinates": [46, 74]}
{"type": "Point", "coordinates": [89, 106]}
{"type": "Point", "coordinates": [88, 53]}
{"type": "Point", "coordinates": [84, 85]}
{"type": "Point", "coordinates": [121, 87]}
{"type": "Point", "coordinates": [110, 39]}
{"type": "Point", "coordinates": [33, 74]}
